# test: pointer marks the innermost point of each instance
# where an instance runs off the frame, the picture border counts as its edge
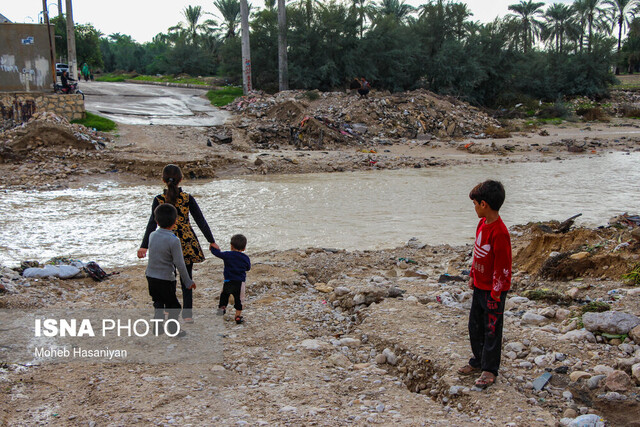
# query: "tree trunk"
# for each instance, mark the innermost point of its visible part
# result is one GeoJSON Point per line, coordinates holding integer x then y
{"type": "Point", "coordinates": [71, 42]}
{"type": "Point", "coordinates": [619, 42]}
{"type": "Point", "coordinates": [283, 67]}
{"type": "Point", "coordinates": [246, 49]}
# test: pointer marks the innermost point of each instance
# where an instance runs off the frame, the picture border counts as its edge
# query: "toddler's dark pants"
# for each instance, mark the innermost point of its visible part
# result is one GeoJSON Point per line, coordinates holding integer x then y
{"type": "Point", "coordinates": [187, 295]}
{"type": "Point", "coordinates": [163, 294]}
{"type": "Point", "coordinates": [485, 331]}
{"type": "Point", "coordinates": [231, 287]}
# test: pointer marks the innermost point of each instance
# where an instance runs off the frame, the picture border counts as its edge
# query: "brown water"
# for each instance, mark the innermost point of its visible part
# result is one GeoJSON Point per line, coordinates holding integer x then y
{"type": "Point", "coordinates": [360, 210]}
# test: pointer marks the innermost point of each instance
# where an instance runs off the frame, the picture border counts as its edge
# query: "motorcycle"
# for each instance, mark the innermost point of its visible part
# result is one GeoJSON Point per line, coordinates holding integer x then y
{"type": "Point", "coordinates": [72, 89]}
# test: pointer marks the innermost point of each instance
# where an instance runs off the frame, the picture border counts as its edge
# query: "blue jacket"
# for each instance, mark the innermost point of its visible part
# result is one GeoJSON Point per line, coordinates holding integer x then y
{"type": "Point", "coordinates": [236, 264]}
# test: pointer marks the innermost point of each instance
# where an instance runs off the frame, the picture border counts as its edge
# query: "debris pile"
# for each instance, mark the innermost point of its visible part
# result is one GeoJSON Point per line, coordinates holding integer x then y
{"type": "Point", "coordinates": [317, 120]}
{"type": "Point", "coordinates": [552, 250]}
{"type": "Point", "coordinates": [44, 132]}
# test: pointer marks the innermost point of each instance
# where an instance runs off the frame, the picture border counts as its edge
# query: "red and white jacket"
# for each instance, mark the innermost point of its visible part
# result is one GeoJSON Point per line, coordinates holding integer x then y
{"type": "Point", "coordinates": [491, 268]}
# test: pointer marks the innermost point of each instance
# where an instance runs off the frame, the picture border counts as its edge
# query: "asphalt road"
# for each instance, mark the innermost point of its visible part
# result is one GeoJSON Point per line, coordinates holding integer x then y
{"type": "Point", "coordinates": [140, 104]}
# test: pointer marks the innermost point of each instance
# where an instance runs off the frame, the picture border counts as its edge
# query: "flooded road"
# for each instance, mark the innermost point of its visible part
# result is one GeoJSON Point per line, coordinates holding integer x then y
{"type": "Point", "coordinates": [360, 210]}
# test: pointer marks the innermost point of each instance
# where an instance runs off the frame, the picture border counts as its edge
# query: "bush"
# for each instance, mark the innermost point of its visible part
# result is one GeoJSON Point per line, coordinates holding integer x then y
{"type": "Point", "coordinates": [224, 96]}
{"type": "Point", "coordinates": [96, 122]}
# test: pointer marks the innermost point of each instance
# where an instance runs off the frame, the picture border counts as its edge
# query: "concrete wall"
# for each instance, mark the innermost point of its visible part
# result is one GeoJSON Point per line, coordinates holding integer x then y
{"type": "Point", "coordinates": [25, 59]}
{"type": "Point", "coordinates": [20, 107]}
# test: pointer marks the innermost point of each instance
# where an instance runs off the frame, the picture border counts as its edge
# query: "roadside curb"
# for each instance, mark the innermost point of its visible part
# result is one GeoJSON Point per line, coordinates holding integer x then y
{"type": "Point", "coordinates": [182, 85]}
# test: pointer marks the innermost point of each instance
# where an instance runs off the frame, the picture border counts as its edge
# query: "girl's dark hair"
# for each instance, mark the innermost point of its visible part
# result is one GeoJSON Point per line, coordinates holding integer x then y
{"type": "Point", "coordinates": [172, 175]}
{"type": "Point", "coordinates": [491, 192]}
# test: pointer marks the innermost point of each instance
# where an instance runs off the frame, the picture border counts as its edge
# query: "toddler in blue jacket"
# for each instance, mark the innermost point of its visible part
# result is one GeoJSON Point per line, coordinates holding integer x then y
{"type": "Point", "coordinates": [236, 265]}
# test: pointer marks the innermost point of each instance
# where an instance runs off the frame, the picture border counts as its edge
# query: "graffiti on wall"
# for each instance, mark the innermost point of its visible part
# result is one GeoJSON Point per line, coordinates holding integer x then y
{"type": "Point", "coordinates": [18, 111]}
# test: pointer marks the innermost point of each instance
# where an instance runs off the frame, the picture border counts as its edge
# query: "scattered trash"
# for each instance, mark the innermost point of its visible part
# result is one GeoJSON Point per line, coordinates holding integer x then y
{"type": "Point", "coordinates": [541, 381]}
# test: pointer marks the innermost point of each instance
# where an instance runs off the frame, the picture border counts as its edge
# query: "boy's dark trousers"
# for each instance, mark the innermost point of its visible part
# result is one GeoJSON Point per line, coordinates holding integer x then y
{"type": "Point", "coordinates": [187, 295]}
{"type": "Point", "coordinates": [231, 287]}
{"type": "Point", "coordinates": [485, 331]}
{"type": "Point", "coordinates": [163, 294]}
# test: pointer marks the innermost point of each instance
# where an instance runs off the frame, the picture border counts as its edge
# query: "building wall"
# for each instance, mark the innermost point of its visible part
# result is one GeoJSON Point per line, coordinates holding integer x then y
{"type": "Point", "coordinates": [25, 58]}
{"type": "Point", "coordinates": [19, 107]}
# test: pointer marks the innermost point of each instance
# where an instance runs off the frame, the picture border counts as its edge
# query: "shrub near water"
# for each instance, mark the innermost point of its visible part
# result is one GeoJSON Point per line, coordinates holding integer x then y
{"type": "Point", "coordinates": [224, 96]}
{"type": "Point", "coordinates": [96, 122]}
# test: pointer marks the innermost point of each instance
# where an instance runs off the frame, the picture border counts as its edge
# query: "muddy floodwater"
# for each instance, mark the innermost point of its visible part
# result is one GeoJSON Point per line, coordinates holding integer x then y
{"type": "Point", "coordinates": [361, 210]}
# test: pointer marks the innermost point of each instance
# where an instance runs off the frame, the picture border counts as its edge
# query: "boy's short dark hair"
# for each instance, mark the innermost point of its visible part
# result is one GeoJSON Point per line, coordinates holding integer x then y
{"type": "Point", "coordinates": [165, 215]}
{"type": "Point", "coordinates": [239, 242]}
{"type": "Point", "coordinates": [491, 192]}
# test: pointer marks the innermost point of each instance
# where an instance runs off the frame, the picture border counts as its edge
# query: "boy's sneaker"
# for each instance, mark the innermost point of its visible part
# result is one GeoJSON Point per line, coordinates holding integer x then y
{"type": "Point", "coordinates": [181, 334]}
{"type": "Point", "coordinates": [239, 320]}
{"type": "Point", "coordinates": [221, 311]}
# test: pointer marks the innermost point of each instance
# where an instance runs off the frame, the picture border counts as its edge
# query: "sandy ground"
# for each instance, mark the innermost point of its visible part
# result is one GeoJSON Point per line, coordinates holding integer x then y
{"type": "Point", "coordinates": [343, 338]}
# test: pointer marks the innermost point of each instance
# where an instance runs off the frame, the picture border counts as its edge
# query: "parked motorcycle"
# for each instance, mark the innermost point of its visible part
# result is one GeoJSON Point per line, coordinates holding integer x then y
{"type": "Point", "coordinates": [72, 89]}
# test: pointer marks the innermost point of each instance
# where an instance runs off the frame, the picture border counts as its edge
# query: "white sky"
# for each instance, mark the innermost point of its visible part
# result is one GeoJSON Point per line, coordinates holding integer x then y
{"type": "Point", "coordinates": [143, 19]}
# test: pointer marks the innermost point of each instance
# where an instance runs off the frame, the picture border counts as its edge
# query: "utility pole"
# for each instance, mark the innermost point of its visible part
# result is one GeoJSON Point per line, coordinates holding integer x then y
{"type": "Point", "coordinates": [59, 7]}
{"type": "Point", "coordinates": [51, 54]}
{"type": "Point", "coordinates": [283, 68]}
{"type": "Point", "coordinates": [71, 42]}
{"type": "Point", "coordinates": [246, 49]}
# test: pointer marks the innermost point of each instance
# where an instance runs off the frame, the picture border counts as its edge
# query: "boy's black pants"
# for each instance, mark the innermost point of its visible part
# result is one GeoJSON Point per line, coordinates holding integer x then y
{"type": "Point", "coordinates": [187, 294]}
{"type": "Point", "coordinates": [485, 331]}
{"type": "Point", "coordinates": [163, 294]}
{"type": "Point", "coordinates": [231, 287]}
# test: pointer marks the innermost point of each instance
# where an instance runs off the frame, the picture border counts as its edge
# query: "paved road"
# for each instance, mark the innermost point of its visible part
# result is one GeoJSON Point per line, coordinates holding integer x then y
{"type": "Point", "coordinates": [140, 104]}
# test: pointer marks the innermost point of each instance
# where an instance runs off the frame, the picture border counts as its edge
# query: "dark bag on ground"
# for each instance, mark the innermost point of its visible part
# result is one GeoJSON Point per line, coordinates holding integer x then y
{"type": "Point", "coordinates": [95, 271]}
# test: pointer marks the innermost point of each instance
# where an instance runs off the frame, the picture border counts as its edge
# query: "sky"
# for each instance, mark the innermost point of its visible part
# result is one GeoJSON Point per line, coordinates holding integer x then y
{"type": "Point", "coordinates": [143, 19]}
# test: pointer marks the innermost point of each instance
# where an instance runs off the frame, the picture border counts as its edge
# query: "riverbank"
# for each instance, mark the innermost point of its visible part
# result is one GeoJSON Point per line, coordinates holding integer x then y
{"type": "Point", "coordinates": [293, 134]}
{"type": "Point", "coordinates": [338, 337]}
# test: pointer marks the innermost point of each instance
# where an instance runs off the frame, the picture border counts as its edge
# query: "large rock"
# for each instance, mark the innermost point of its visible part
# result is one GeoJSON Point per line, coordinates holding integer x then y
{"type": "Point", "coordinates": [618, 381]}
{"type": "Point", "coordinates": [579, 335]}
{"type": "Point", "coordinates": [634, 334]}
{"type": "Point", "coordinates": [531, 318]}
{"type": "Point", "coordinates": [610, 322]}
{"type": "Point", "coordinates": [339, 360]}
{"type": "Point", "coordinates": [635, 372]}
{"type": "Point", "coordinates": [314, 345]}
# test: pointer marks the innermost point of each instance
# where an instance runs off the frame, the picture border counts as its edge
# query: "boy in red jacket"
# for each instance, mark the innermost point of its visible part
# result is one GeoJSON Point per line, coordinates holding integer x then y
{"type": "Point", "coordinates": [490, 281]}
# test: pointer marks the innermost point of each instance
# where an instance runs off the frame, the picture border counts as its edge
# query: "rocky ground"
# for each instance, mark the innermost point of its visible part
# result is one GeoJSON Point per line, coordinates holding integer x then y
{"type": "Point", "coordinates": [335, 337]}
{"type": "Point", "coordinates": [363, 337]}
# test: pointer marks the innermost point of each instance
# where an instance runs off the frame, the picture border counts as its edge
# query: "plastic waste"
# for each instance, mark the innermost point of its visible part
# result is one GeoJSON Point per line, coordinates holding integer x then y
{"type": "Point", "coordinates": [61, 271]}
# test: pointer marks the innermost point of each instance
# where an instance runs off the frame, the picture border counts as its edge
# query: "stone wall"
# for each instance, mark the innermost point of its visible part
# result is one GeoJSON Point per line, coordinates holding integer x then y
{"type": "Point", "coordinates": [20, 106]}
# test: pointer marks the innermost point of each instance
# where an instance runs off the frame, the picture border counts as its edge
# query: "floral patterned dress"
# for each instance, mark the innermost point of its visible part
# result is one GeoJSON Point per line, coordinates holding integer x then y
{"type": "Point", "coordinates": [185, 205]}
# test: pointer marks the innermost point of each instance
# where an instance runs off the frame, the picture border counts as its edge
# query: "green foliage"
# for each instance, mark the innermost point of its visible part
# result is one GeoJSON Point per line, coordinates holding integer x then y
{"type": "Point", "coordinates": [633, 276]}
{"type": "Point", "coordinates": [96, 122]}
{"type": "Point", "coordinates": [394, 46]}
{"type": "Point", "coordinates": [548, 295]}
{"type": "Point", "coordinates": [595, 307]}
{"type": "Point", "coordinates": [311, 95]}
{"type": "Point", "coordinates": [113, 78]}
{"type": "Point", "coordinates": [224, 96]}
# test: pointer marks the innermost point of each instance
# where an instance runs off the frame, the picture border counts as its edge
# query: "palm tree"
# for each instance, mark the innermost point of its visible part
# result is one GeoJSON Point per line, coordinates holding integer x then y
{"type": "Point", "coordinates": [591, 15]}
{"type": "Point", "coordinates": [457, 14]}
{"type": "Point", "coordinates": [396, 8]}
{"type": "Point", "coordinates": [622, 12]}
{"type": "Point", "coordinates": [230, 11]}
{"type": "Point", "coordinates": [527, 12]}
{"type": "Point", "coordinates": [559, 20]}
{"type": "Point", "coordinates": [362, 9]}
{"type": "Point", "coordinates": [283, 67]}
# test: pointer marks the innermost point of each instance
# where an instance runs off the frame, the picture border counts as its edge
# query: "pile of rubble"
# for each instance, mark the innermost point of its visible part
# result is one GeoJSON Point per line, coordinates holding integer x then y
{"type": "Point", "coordinates": [46, 131]}
{"type": "Point", "coordinates": [317, 120]}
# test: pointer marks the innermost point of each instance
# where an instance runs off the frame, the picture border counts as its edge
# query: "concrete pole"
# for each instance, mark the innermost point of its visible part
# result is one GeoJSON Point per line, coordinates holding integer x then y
{"type": "Point", "coordinates": [51, 53]}
{"type": "Point", "coordinates": [246, 49]}
{"type": "Point", "coordinates": [59, 7]}
{"type": "Point", "coordinates": [71, 42]}
{"type": "Point", "coordinates": [283, 68]}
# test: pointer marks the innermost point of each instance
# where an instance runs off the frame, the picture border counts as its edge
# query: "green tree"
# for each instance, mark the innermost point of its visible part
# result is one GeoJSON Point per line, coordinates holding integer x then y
{"type": "Point", "coordinates": [527, 14]}
{"type": "Point", "coordinates": [622, 12]}
{"type": "Point", "coordinates": [230, 12]}
{"type": "Point", "coordinates": [591, 16]}
{"type": "Point", "coordinates": [559, 23]}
